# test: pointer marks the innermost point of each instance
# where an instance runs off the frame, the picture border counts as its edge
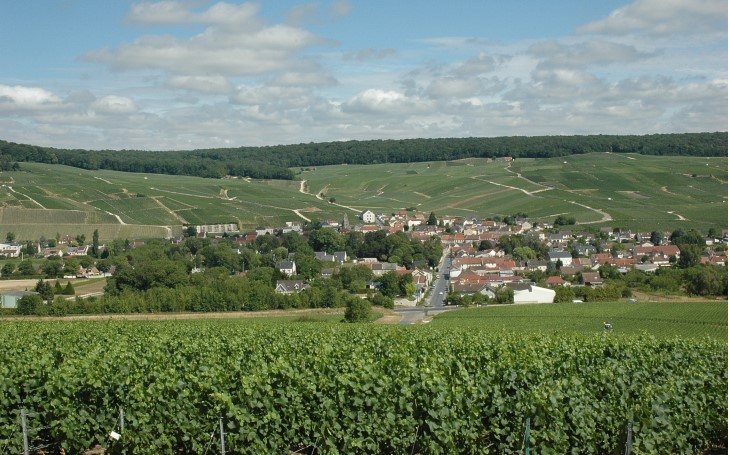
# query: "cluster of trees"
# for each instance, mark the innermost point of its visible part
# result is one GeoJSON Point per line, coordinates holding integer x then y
{"type": "Point", "coordinates": [274, 162]}
{"type": "Point", "coordinates": [157, 277]}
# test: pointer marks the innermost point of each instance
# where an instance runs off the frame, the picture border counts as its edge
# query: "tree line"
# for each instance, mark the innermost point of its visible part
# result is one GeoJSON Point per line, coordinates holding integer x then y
{"type": "Point", "coordinates": [277, 162]}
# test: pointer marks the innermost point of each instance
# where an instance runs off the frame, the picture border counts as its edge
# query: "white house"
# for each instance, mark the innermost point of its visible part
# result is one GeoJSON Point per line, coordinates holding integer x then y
{"type": "Point", "coordinates": [368, 216]}
{"type": "Point", "coordinates": [288, 268]}
{"type": "Point", "coordinates": [563, 256]}
{"type": "Point", "coordinates": [11, 250]}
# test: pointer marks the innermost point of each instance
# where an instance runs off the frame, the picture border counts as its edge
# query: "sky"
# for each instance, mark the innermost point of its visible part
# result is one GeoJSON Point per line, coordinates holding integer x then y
{"type": "Point", "coordinates": [190, 74]}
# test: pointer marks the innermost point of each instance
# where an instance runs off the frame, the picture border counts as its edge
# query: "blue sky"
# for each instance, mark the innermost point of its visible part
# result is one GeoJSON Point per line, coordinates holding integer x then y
{"type": "Point", "coordinates": [198, 74]}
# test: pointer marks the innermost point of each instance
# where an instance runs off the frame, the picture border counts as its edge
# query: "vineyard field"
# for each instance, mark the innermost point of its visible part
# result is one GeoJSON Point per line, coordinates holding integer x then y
{"type": "Point", "coordinates": [665, 319]}
{"type": "Point", "coordinates": [340, 388]}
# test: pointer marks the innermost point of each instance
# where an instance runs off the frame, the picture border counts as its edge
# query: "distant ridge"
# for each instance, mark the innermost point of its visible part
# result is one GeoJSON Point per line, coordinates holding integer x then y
{"type": "Point", "coordinates": [275, 162]}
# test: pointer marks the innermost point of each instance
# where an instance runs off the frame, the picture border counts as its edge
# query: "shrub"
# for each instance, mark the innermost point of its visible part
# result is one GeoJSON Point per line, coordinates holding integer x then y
{"type": "Point", "coordinates": [357, 310]}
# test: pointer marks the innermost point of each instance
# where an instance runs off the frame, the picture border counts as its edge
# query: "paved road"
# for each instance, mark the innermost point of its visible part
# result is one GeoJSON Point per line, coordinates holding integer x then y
{"type": "Point", "coordinates": [434, 301]}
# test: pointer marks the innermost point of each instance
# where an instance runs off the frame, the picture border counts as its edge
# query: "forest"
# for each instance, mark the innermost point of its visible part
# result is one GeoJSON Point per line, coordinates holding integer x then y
{"type": "Point", "coordinates": [276, 162]}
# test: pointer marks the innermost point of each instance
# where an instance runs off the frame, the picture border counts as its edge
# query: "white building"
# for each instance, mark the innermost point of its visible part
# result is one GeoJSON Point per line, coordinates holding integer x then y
{"type": "Point", "coordinates": [368, 216]}
{"type": "Point", "coordinates": [529, 293]}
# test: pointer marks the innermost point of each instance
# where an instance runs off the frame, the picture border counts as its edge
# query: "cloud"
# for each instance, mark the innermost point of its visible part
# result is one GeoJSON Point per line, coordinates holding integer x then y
{"type": "Point", "coordinates": [112, 104]}
{"type": "Point", "coordinates": [176, 12]}
{"type": "Point", "coordinates": [234, 43]}
{"type": "Point", "coordinates": [369, 54]}
{"type": "Point", "coordinates": [554, 54]}
{"type": "Point", "coordinates": [663, 17]}
{"type": "Point", "coordinates": [156, 13]}
{"type": "Point", "coordinates": [340, 8]}
{"type": "Point", "coordinates": [203, 84]}
{"type": "Point", "coordinates": [27, 97]}
{"type": "Point", "coordinates": [384, 102]}
{"type": "Point", "coordinates": [482, 64]}
{"type": "Point", "coordinates": [453, 87]}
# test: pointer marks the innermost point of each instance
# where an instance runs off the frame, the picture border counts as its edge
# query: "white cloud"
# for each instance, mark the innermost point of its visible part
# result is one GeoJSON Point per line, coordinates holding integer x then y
{"type": "Point", "coordinates": [235, 43]}
{"type": "Point", "coordinates": [26, 97]}
{"type": "Point", "coordinates": [663, 17]}
{"type": "Point", "coordinates": [176, 12]}
{"type": "Point", "coordinates": [382, 102]}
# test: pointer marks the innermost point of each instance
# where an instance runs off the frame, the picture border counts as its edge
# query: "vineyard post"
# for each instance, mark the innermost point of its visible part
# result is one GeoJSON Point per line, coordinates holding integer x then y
{"type": "Point", "coordinates": [629, 438]}
{"type": "Point", "coordinates": [527, 436]}
{"type": "Point", "coordinates": [23, 423]}
{"type": "Point", "coordinates": [223, 438]}
{"type": "Point", "coordinates": [121, 428]}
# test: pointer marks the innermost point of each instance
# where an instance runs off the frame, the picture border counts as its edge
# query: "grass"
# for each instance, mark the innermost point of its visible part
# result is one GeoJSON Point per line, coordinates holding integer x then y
{"type": "Point", "coordinates": [666, 319]}
{"type": "Point", "coordinates": [637, 192]}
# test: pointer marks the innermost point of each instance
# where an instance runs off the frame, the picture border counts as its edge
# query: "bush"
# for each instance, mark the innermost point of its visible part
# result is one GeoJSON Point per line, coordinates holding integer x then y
{"type": "Point", "coordinates": [28, 304]}
{"type": "Point", "coordinates": [357, 310]}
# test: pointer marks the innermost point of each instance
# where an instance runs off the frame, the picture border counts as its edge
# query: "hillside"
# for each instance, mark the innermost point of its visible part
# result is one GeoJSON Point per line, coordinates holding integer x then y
{"type": "Point", "coordinates": [598, 189]}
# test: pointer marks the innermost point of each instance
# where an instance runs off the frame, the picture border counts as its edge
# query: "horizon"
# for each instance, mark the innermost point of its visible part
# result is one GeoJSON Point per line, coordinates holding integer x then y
{"type": "Point", "coordinates": [182, 75]}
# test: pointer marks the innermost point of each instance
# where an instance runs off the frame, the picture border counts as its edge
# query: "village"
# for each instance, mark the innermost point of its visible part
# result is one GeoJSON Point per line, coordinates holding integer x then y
{"type": "Point", "coordinates": [481, 258]}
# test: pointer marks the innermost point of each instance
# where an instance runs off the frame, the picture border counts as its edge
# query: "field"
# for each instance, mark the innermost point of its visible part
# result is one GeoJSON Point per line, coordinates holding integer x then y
{"type": "Point", "coordinates": [338, 388]}
{"type": "Point", "coordinates": [632, 191]}
{"type": "Point", "coordinates": [666, 320]}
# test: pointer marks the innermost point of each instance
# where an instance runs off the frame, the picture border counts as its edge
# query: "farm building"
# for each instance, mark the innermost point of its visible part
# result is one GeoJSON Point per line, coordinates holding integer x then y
{"type": "Point", "coordinates": [529, 293]}
{"type": "Point", "coordinates": [10, 299]}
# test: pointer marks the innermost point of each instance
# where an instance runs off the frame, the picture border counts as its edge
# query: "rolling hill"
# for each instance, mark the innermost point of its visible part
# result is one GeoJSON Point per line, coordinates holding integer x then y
{"type": "Point", "coordinates": [599, 189]}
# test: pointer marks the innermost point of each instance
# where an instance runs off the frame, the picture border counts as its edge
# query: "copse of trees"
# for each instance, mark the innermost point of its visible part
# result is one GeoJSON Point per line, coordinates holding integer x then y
{"type": "Point", "coordinates": [275, 162]}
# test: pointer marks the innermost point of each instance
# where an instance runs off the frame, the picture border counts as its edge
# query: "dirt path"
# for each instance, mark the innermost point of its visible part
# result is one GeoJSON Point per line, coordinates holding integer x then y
{"type": "Point", "coordinates": [605, 217]}
{"type": "Point", "coordinates": [679, 217]}
{"type": "Point", "coordinates": [299, 214]}
{"type": "Point", "coordinates": [169, 210]}
{"type": "Point", "coordinates": [25, 196]}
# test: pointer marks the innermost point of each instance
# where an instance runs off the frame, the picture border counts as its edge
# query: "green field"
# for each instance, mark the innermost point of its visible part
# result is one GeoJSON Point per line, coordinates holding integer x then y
{"type": "Point", "coordinates": [666, 319]}
{"type": "Point", "coordinates": [598, 189]}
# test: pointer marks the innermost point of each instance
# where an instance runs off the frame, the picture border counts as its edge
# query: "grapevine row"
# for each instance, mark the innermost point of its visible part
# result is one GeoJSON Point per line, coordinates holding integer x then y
{"type": "Point", "coordinates": [366, 389]}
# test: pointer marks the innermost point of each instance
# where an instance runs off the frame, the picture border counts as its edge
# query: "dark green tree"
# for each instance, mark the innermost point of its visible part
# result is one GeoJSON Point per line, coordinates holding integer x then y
{"type": "Point", "coordinates": [69, 289]}
{"type": "Point", "coordinates": [44, 289]}
{"type": "Point", "coordinates": [432, 220]}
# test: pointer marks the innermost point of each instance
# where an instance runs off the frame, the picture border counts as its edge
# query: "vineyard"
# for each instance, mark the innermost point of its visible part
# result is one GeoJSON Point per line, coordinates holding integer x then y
{"type": "Point", "coordinates": [338, 388]}
{"type": "Point", "coordinates": [660, 319]}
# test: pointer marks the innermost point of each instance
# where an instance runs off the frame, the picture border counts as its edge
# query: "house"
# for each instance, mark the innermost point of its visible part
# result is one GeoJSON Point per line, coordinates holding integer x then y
{"type": "Point", "coordinates": [290, 286]}
{"type": "Point", "coordinates": [11, 250]}
{"type": "Point", "coordinates": [323, 256]}
{"type": "Point", "coordinates": [555, 281]}
{"type": "Point", "coordinates": [471, 288]}
{"type": "Point", "coordinates": [77, 250]}
{"type": "Point", "coordinates": [367, 216]}
{"type": "Point", "coordinates": [529, 293]}
{"type": "Point", "coordinates": [292, 226]}
{"type": "Point", "coordinates": [592, 279]}
{"type": "Point", "coordinates": [288, 268]}
{"type": "Point", "coordinates": [563, 256]}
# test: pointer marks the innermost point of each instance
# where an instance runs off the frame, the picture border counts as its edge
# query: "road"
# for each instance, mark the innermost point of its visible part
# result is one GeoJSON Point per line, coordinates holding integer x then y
{"type": "Point", "coordinates": [435, 300]}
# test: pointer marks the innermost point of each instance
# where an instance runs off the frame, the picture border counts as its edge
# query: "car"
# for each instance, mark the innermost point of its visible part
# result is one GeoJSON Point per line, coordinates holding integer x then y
{"type": "Point", "coordinates": [577, 301]}
{"type": "Point", "coordinates": [441, 293]}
